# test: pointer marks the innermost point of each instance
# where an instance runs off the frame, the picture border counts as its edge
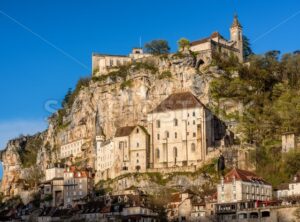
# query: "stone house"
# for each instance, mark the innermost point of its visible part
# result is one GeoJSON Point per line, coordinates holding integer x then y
{"type": "Point", "coordinates": [73, 149]}
{"type": "Point", "coordinates": [183, 132]}
{"type": "Point", "coordinates": [77, 185]}
{"type": "Point", "coordinates": [291, 189]}
{"type": "Point", "coordinates": [53, 186]}
{"type": "Point", "coordinates": [105, 160]}
{"type": "Point", "coordinates": [206, 47]}
{"type": "Point", "coordinates": [132, 143]}
{"type": "Point", "coordinates": [105, 63]}
{"type": "Point", "coordinates": [180, 207]}
{"type": "Point", "coordinates": [241, 185]}
{"type": "Point", "coordinates": [126, 152]}
{"type": "Point", "coordinates": [54, 171]}
{"type": "Point", "coordinates": [199, 211]}
{"type": "Point", "coordinates": [240, 190]}
{"type": "Point", "coordinates": [290, 141]}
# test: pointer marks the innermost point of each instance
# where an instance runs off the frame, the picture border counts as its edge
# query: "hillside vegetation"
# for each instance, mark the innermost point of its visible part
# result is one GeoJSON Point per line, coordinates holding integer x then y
{"type": "Point", "coordinates": [268, 86]}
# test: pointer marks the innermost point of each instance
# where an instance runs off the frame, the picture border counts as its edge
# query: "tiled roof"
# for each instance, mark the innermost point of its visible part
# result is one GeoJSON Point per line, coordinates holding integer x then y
{"type": "Point", "coordinates": [283, 186]}
{"type": "Point", "coordinates": [207, 39]}
{"type": "Point", "coordinates": [175, 198]}
{"type": "Point", "coordinates": [243, 175]}
{"type": "Point", "coordinates": [78, 173]}
{"type": "Point", "coordinates": [176, 101]}
{"type": "Point", "coordinates": [127, 130]}
{"type": "Point", "coordinates": [200, 41]}
{"type": "Point", "coordinates": [124, 131]}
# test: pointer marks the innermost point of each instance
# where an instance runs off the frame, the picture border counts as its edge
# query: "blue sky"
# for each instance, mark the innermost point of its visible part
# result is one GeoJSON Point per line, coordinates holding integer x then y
{"type": "Point", "coordinates": [46, 46]}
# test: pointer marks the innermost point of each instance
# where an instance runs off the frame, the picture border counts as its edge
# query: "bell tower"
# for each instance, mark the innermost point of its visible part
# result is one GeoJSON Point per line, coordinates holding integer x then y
{"type": "Point", "coordinates": [236, 35]}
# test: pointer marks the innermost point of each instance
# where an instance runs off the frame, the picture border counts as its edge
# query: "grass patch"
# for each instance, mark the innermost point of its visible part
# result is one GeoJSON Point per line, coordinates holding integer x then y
{"type": "Point", "coordinates": [165, 75]}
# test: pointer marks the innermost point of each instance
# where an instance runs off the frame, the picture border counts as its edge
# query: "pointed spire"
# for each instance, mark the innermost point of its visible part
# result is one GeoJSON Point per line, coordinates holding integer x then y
{"type": "Point", "coordinates": [236, 22]}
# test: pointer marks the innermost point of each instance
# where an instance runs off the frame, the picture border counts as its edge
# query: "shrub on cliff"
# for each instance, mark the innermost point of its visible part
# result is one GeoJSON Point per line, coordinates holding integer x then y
{"type": "Point", "coordinates": [269, 90]}
{"type": "Point", "coordinates": [165, 75]}
{"type": "Point", "coordinates": [146, 66]}
{"type": "Point", "coordinates": [28, 153]}
{"type": "Point", "coordinates": [183, 44]}
{"type": "Point", "coordinates": [157, 47]}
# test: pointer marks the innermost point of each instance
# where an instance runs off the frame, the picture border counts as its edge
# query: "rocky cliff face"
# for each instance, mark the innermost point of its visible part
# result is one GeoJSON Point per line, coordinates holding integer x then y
{"type": "Point", "coordinates": [119, 102]}
{"type": "Point", "coordinates": [19, 161]}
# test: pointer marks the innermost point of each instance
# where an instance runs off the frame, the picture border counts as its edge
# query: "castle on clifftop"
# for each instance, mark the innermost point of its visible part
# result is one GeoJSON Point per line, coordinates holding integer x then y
{"type": "Point", "coordinates": [205, 47]}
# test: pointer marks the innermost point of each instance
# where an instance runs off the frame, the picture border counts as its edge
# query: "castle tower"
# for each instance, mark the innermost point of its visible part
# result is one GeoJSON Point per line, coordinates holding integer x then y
{"type": "Point", "coordinates": [236, 35]}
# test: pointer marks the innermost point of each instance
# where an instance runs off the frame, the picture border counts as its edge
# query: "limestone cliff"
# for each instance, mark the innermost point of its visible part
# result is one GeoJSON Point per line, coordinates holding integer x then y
{"type": "Point", "coordinates": [119, 99]}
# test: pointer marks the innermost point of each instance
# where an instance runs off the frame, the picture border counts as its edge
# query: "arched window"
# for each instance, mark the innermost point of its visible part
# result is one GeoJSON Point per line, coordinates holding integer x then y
{"type": "Point", "coordinates": [167, 134]}
{"type": "Point", "coordinates": [175, 153]}
{"type": "Point", "coordinates": [175, 135]}
{"type": "Point", "coordinates": [157, 153]}
{"type": "Point", "coordinates": [175, 122]}
{"type": "Point", "coordinates": [193, 147]}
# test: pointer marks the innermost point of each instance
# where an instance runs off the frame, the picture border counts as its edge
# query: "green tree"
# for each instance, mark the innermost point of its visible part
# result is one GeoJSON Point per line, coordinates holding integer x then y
{"type": "Point", "coordinates": [247, 50]}
{"type": "Point", "coordinates": [67, 97]}
{"type": "Point", "coordinates": [183, 44]}
{"type": "Point", "coordinates": [34, 176]}
{"type": "Point", "coordinates": [269, 89]}
{"type": "Point", "coordinates": [157, 47]}
{"type": "Point", "coordinates": [297, 52]}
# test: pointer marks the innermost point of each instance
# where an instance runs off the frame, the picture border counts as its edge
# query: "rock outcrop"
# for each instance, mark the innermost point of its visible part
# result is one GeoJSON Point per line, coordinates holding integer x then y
{"type": "Point", "coordinates": [119, 101]}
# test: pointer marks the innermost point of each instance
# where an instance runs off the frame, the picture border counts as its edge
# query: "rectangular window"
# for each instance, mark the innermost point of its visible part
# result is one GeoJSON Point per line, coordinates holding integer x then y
{"type": "Point", "coordinates": [157, 124]}
{"type": "Point", "coordinates": [158, 136]}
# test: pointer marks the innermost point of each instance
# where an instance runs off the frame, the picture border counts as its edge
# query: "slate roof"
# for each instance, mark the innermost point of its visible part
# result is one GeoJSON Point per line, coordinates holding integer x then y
{"type": "Point", "coordinates": [236, 22]}
{"type": "Point", "coordinates": [176, 101]}
{"type": "Point", "coordinates": [127, 130]}
{"type": "Point", "coordinates": [243, 175]}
